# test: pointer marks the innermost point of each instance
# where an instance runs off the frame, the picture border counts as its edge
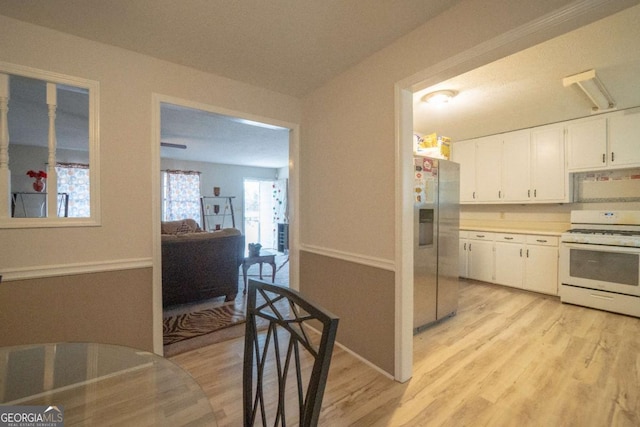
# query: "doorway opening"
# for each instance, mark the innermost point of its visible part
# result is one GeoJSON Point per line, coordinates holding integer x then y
{"type": "Point", "coordinates": [182, 141]}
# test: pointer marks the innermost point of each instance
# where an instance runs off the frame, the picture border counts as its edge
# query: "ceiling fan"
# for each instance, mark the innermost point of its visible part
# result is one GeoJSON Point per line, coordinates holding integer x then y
{"type": "Point", "coordinates": [171, 145]}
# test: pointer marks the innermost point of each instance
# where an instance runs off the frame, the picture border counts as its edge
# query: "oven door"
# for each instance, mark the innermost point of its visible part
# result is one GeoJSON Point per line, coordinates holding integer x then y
{"type": "Point", "coordinates": [608, 268]}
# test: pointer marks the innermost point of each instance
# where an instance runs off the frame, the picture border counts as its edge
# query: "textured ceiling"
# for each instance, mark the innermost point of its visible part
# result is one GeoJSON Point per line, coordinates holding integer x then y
{"type": "Point", "coordinates": [525, 89]}
{"type": "Point", "coordinates": [294, 46]}
{"type": "Point", "coordinates": [289, 46]}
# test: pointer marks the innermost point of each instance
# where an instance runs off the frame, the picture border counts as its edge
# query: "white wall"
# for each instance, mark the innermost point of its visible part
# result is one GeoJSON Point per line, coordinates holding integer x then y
{"type": "Point", "coordinates": [127, 82]}
{"type": "Point", "coordinates": [348, 128]}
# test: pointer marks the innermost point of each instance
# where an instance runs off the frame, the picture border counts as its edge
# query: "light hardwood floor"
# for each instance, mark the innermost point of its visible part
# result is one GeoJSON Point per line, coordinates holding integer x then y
{"type": "Point", "coordinates": [508, 358]}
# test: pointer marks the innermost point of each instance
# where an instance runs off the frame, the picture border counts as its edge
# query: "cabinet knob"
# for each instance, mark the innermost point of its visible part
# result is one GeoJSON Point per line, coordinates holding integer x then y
{"type": "Point", "coordinates": [613, 156]}
{"type": "Point", "coordinates": [541, 240]}
{"type": "Point", "coordinates": [604, 158]}
{"type": "Point", "coordinates": [508, 238]}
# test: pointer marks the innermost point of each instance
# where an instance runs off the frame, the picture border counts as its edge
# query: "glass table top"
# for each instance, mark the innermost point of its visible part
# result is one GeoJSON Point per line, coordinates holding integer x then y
{"type": "Point", "coordinates": [101, 384]}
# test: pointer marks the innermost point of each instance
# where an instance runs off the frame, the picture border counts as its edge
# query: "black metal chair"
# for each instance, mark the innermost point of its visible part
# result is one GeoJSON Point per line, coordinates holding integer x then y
{"type": "Point", "coordinates": [286, 362]}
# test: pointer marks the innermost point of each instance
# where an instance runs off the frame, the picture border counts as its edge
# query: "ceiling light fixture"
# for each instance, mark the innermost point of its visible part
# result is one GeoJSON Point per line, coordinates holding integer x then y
{"type": "Point", "coordinates": [170, 145]}
{"type": "Point", "coordinates": [439, 97]}
{"type": "Point", "coordinates": [591, 85]}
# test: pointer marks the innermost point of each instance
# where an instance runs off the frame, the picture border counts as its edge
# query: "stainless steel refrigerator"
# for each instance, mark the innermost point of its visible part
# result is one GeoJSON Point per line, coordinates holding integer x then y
{"type": "Point", "coordinates": [436, 234]}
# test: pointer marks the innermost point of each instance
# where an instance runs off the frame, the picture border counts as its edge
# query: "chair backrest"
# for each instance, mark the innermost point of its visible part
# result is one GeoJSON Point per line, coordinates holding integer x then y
{"type": "Point", "coordinates": [288, 347]}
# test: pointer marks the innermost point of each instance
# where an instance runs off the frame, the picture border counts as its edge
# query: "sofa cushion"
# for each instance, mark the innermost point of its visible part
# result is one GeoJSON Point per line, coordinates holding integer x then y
{"type": "Point", "coordinates": [202, 235]}
{"type": "Point", "coordinates": [181, 226]}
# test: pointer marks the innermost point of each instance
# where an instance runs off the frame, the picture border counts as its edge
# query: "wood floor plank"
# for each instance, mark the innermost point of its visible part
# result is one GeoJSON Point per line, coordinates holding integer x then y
{"type": "Point", "coordinates": [508, 358]}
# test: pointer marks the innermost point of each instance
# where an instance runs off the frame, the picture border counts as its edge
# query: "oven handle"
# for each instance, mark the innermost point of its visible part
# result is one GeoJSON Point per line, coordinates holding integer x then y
{"type": "Point", "coordinates": [608, 298]}
{"type": "Point", "coordinates": [601, 248]}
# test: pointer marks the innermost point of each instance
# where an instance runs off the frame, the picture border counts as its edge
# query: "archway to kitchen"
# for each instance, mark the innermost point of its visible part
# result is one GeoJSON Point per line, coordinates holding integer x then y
{"type": "Point", "coordinates": [528, 35]}
{"type": "Point", "coordinates": [237, 118]}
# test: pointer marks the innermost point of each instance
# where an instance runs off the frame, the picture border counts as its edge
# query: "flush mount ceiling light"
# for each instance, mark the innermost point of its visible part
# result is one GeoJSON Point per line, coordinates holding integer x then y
{"type": "Point", "coordinates": [439, 97]}
{"type": "Point", "coordinates": [170, 145]}
{"type": "Point", "coordinates": [591, 85]}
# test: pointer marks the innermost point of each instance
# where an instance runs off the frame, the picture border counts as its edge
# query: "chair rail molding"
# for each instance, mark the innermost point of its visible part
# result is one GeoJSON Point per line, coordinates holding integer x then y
{"type": "Point", "coordinates": [45, 271]}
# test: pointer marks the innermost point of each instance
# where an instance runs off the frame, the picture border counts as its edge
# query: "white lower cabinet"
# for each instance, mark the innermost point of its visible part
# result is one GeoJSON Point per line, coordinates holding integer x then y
{"type": "Point", "coordinates": [463, 250]}
{"type": "Point", "coordinates": [541, 265]}
{"type": "Point", "coordinates": [510, 260]}
{"type": "Point", "coordinates": [525, 261]}
{"type": "Point", "coordinates": [480, 259]}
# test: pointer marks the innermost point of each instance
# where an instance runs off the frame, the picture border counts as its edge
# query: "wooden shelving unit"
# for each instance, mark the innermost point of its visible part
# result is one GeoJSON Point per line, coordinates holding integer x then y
{"type": "Point", "coordinates": [217, 218]}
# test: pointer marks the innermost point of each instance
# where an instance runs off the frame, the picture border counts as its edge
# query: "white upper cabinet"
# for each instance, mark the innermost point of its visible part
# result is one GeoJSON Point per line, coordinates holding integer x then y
{"type": "Point", "coordinates": [516, 166]}
{"type": "Point", "coordinates": [624, 139]}
{"type": "Point", "coordinates": [587, 144]}
{"type": "Point", "coordinates": [611, 141]}
{"type": "Point", "coordinates": [464, 153]}
{"type": "Point", "coordinates": [489, 168]}
{"type": "Point", "coordinates": [549, 177]}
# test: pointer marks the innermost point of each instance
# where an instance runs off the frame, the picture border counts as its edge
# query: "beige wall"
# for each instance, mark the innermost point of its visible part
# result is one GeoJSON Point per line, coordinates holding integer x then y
{"type": "Point", "coordinates": [348, 135]}
{"type": "Point", "coordinates": [127, 82]}
{"type": "Point", "coordinates": [361, 295]}
{"type": "Point", "coordinates": [88, 307]}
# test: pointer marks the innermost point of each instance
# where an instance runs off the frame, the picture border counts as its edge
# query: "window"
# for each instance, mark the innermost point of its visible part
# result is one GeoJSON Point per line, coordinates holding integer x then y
{"type": "Point", "coordinates": [180, 195]}
{"type": "Point", "coordinates": [46, 119]}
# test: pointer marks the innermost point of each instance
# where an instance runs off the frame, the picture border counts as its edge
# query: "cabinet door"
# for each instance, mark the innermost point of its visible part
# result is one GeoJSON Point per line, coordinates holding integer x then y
{"type": "Point", "coordinates": [549, 176]}
{"type": "Point", "coordinates": [587, 144]}
{"type": "Point", "coordinates": [516, 176]}
{"type": "Point", "coordinates": [464, 153]}
{"type": "Point", "coordinates": [624, 140]}
{"type": "Point", "coordinates": [541, 269]}
{"type": "Point", "coordinates": [481, 261]}
{"type": "Point", "coordinates": [489, 169]}
{"type": "Point", "coordinates": [463, 250]}
{"type": "Point", "coordinates": [509, 264]}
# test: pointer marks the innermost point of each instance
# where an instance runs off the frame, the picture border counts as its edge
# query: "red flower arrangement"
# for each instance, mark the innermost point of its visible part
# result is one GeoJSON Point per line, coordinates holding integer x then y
{"type": "Point", "coordinates": [37, 175]}
{"type": "Point", "coordinates": [39, 183]}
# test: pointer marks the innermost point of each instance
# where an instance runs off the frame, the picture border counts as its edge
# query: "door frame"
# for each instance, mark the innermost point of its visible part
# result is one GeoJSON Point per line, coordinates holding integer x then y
{"type": "Point", "coordinates": [293, 194]}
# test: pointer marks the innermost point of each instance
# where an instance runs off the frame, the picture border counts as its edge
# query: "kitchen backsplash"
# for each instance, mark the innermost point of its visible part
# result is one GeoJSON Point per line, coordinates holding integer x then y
{"type": "Point", "coordinates": [607, 186]}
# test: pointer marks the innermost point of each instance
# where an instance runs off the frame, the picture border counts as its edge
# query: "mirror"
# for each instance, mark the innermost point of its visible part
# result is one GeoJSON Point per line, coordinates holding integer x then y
{"type": "Point", "coordinates": [48, 149]}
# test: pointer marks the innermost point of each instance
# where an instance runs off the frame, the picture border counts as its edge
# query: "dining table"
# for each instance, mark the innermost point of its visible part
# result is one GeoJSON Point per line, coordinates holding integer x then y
{"type": "Point", "coordinates": [94, 384]}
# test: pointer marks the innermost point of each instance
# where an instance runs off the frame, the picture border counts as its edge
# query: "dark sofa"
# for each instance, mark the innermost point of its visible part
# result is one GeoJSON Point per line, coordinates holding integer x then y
{"type": "Point", "coordinates": [200, 265]}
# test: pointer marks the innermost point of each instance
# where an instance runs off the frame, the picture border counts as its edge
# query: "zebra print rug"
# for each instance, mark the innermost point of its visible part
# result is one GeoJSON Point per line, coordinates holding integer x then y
{"type": "Point", "coordinates": [197, 323]}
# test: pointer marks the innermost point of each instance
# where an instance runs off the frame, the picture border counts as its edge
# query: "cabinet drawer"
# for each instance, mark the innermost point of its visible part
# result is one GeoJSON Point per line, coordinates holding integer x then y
{"type": "Point", "coordinates": [510, 238]}
{"type": "Point", "coordinates": [480, 235]}
{"type": "Point", "coordinates": [542, 240]}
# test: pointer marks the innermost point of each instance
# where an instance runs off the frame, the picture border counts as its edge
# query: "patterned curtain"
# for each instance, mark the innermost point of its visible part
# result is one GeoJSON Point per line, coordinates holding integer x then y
{"type": "Point", "coordinates": [181, 195]}
{"type": "Point", "coordinates": [73, 179]}
{"type": "Point", "coordinates": [280, 202]}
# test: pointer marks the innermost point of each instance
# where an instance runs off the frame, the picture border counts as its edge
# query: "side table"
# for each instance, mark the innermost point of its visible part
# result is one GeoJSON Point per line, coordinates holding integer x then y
{"type": "Point", "coordinates": [258, 259]}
